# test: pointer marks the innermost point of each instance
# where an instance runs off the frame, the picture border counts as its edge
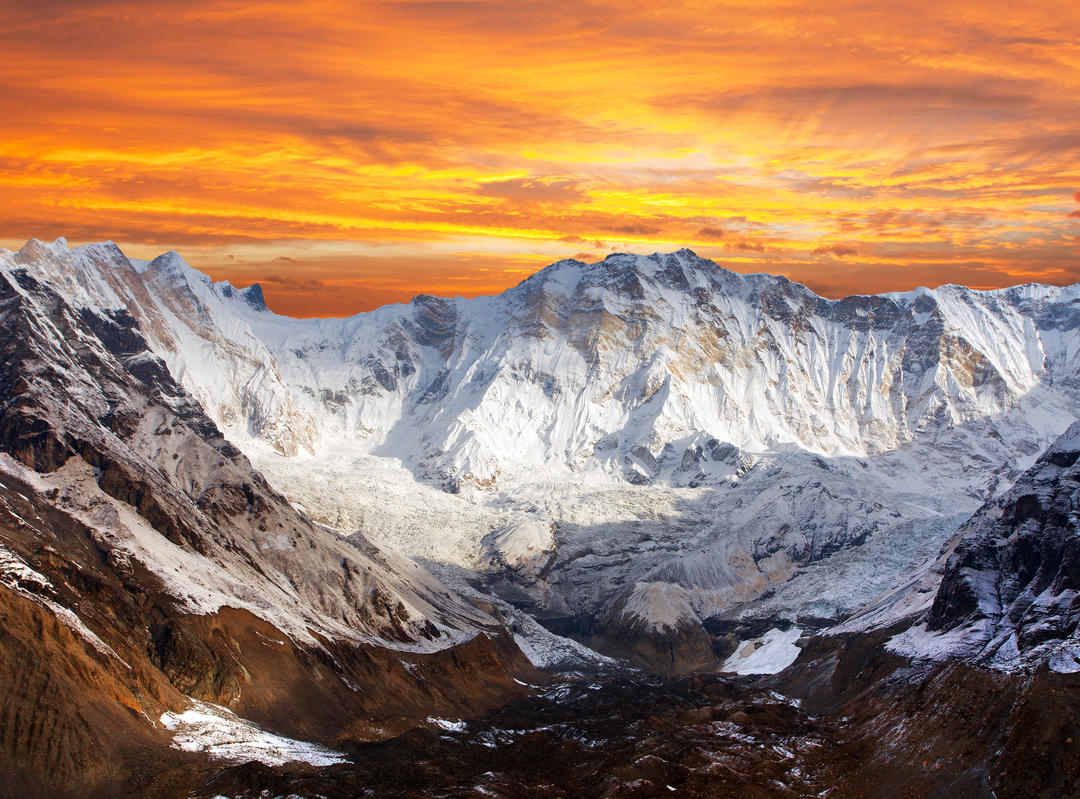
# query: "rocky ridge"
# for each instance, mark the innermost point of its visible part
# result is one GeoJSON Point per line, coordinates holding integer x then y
{"type": "Point", "coordinates": [649, 450]}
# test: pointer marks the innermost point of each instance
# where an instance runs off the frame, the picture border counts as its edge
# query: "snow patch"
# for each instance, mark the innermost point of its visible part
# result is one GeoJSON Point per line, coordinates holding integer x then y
{"type": "Point", "coordinates": [448, 725]}
{"type": "Point", "coordinates": [519, 543]}
{"type": "Point", "coordinates": [223, 735]}
{"type": "Point", "coordinates": [770, 654]}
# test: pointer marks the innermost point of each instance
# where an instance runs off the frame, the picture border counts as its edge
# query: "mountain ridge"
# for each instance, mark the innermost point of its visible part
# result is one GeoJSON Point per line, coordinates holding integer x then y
{"type": "Point", "coordinates": [647, 391]}
{"type": "Point", "coordinates": [144, 563]}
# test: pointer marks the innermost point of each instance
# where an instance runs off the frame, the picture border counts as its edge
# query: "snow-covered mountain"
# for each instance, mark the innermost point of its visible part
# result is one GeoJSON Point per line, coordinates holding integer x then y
{"type": "Point", "coordinates": [641, 452]}
{"type": "Point", "coordinates": [630, 364]}
{"type": "Point", "coordinates": [145, 563]}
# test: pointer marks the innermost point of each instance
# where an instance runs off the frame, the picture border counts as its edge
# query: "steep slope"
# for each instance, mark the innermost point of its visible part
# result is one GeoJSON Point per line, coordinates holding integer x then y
{"type": "Point", "coordinates": [633, 451]}
{"type": "Point", "coordinates": [1007, 583]}
{"type": "Point", "coordinates": [964, 680]}
{"type": "Point", "coordinates": [612, 364]}
{"type": "Point", "coordinates": [143, 561]}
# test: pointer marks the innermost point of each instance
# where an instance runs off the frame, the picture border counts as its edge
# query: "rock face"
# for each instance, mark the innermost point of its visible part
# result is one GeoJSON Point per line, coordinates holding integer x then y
{"type": "Point", "coordinates": [144, 561]}
{"type": "Point", "coordinates": [965, 679]}
{"type": "Point", "coordinates": [1008, 586]}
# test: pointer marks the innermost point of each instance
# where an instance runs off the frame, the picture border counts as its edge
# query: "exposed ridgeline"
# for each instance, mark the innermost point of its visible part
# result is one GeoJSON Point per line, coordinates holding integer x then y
{"type": "Point", "coordinates": [1005, 591]}
{"type": "Point", "coordinates": [964, 680]}
{"type": "Point", "coordinates": [144, 561]}
{"type": "Point", "coordinates": [1012, 585]}
{"type": "Point", "coordinates": [631, 365]}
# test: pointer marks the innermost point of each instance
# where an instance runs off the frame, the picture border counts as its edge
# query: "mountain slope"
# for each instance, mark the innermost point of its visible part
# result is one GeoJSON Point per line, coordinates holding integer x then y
{"type": "Point", "coordinates": [595, 364]}
{"type": "Point", "coordinates": [149, 562]}
{"type": "Point", "coordinates": [963, 679]}
{"type": "Point", "coordinates": [1007, 583]}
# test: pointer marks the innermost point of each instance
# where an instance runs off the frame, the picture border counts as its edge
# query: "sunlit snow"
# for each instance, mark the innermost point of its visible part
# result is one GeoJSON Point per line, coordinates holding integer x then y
{"type": "Point", "coordinates": [218, 732]}
{"type": "Point", "coordinates": [770, 654]}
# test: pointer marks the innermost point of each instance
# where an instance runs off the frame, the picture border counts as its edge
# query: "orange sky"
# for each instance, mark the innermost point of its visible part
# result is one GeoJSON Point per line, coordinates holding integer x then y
{"type": "Point", "coordinates": [351, 154]}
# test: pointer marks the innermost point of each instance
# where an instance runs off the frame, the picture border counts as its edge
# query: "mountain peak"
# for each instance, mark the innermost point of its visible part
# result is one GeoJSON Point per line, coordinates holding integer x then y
{"type": "Point", "coordinates": [253, 295]}
{"type": "Point", "coordinates": [168, 261]}
{"type": "Point", "coordinates": [36, 248]}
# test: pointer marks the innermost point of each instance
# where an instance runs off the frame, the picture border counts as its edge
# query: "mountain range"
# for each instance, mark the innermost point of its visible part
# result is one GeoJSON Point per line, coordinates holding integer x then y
{"type": "Point", "coordinates": [343, 529]}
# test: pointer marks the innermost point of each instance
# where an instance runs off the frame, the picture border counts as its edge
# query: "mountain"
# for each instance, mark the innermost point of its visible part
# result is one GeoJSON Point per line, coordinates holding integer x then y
{"type": "Point", "coordinates": [146, 565]}
{"type": "Point", "coordinates": [854, 521]}
{"type": "Point", "coordinates": [651, 454]}
{"type": "Point", "coordinates": [962, 679]}
{"type": "Point", "coordinates": [1003, 591]}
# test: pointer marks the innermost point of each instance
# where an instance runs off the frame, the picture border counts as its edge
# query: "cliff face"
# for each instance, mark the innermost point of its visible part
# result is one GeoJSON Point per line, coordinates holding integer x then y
{"type": "Point", "coordinates": [1011, 585]}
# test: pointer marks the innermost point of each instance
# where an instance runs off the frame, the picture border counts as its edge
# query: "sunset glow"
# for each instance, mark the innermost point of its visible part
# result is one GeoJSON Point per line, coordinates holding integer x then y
{"type": "Point", "coordinates": [351, 154]}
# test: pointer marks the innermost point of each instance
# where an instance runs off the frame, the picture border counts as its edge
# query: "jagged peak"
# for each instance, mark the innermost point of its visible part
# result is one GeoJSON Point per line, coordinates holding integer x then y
{"type": "Point", "coordinates": [171, 264]}
{"type": "Point", "coordinates": [35, 248]}
{"type": "Point", "coordinates": [682, 269]}
{"type": "Point", "coordinates": [168, 260]}
{"type": "Point", "coordinates": [1065, 447]}
{"type": "Point", "coordinates": [253, 295]}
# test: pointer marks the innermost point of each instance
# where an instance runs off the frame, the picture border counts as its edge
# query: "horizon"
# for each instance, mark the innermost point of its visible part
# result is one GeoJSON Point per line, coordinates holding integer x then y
{"type": "Point", "coordinates": [349, 156]}
{"type": "Point", "coordinates": [405, 301]}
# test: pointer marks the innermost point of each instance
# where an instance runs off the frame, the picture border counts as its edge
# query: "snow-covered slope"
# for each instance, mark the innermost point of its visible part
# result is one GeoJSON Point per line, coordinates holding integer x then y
{"type": "Point", "coordinates": [93, 420]}
{"type": "Point", "coordinates": [631, 364]}
{"type": "Point", "coordinates": [1007, 590]}
{"type": "Point", "coordinates": [642, 444]}
{"type": "Point", "coordinates": [144, 562]}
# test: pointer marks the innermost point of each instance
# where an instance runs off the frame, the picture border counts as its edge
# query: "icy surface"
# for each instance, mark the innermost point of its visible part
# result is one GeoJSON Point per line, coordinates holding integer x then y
{"type": "Point", "coordinates": [448, 725]}
{"type": "Point", "coordinates": [222, 735]}
{"type": "Point", "coordinates": [770, 654]}
{"type": "Point", "coordinates": [1000, 592]}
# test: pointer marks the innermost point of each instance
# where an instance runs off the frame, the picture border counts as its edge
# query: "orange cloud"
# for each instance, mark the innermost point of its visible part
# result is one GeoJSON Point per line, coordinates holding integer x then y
{"type": "Point", "coordinates": [390, 149]}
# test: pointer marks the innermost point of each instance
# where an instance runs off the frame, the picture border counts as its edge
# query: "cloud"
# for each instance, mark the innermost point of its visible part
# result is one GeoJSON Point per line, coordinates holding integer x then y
{"type": "Point", "coordinates": [634, 229]}
{"type": "Point", "coordinates": [745, 245]}
{"type": "Point", "coordinates": [573, 239]}
{"type": "Point", "coordinates": [839, 250]}
{"type": "Point", "coordinates": [447, 132]}
{"type": "Point", "coordinates": [534, 190]}
{"type": "Point", "coordinates": [293, 284]}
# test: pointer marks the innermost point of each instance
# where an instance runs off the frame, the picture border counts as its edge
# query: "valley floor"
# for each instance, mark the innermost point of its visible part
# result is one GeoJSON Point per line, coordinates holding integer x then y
{"type": "Point", "coordinates": [823, 730]}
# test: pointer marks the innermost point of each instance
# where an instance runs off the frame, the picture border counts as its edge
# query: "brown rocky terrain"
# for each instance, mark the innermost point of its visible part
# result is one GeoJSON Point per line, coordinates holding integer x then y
{"type": "Point", "coordinates": [849, 722]}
